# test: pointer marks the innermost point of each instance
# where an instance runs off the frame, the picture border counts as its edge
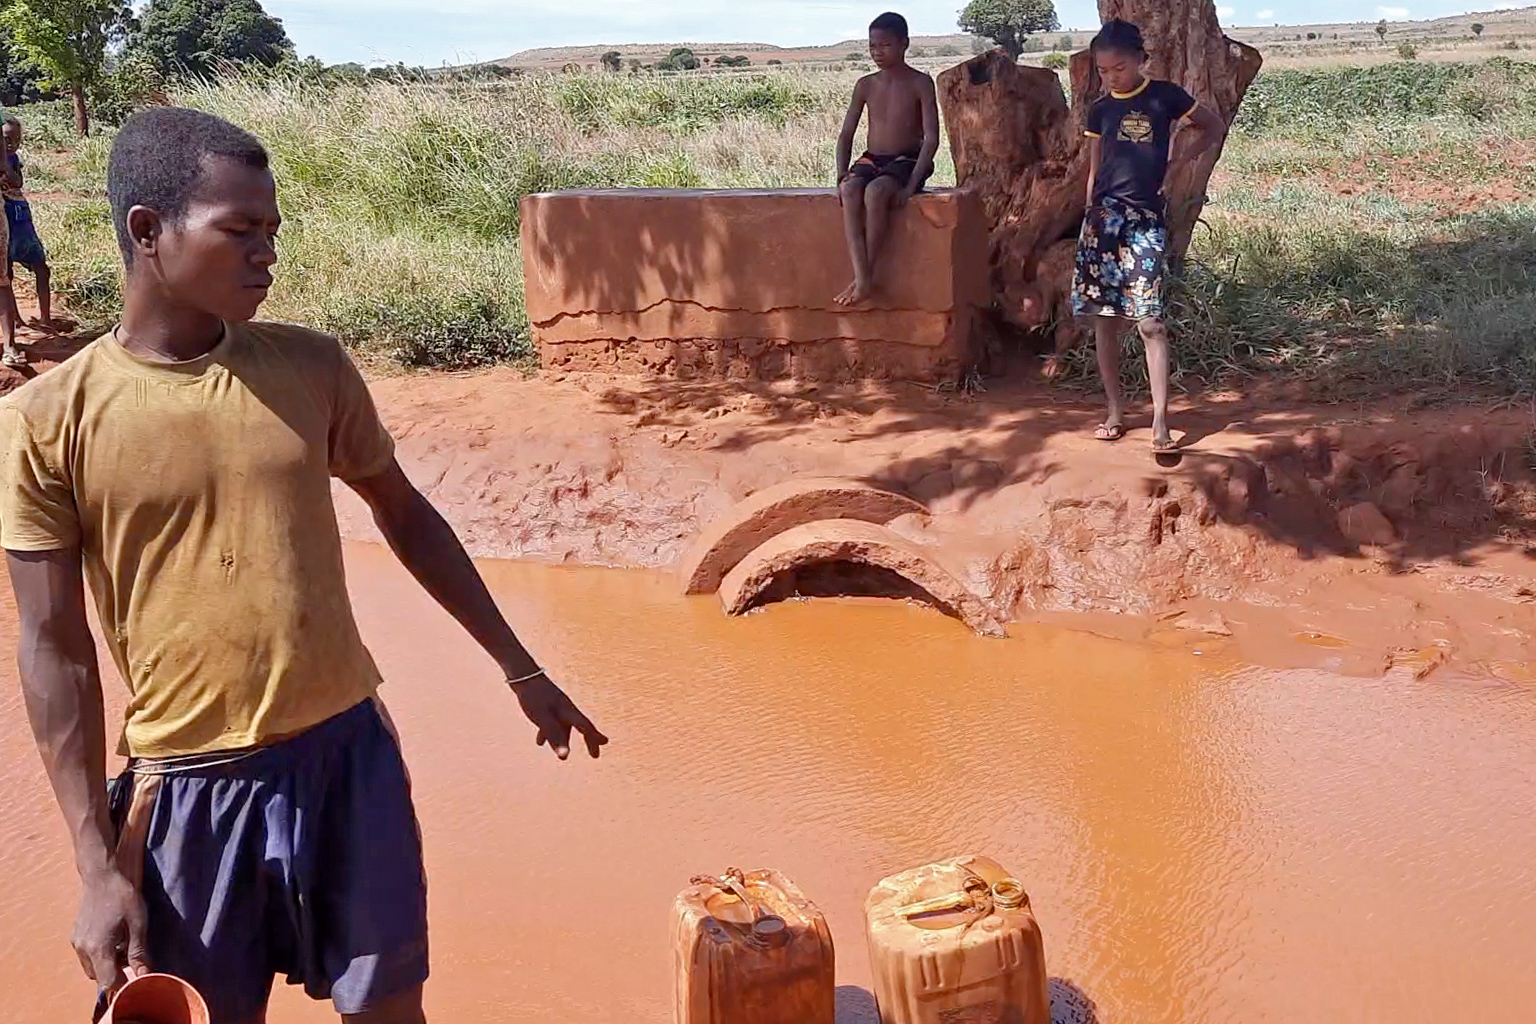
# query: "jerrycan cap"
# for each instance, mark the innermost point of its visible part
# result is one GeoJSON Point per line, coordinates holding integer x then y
{"type": "Point", "coordinates": [1009, 894]}
{"type": "Point", "coordinates": [770, 929]}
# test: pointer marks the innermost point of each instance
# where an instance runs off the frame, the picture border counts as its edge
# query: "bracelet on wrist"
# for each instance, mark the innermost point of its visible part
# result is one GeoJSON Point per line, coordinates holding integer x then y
{"type": "Point", "coordinates": [530, 677]}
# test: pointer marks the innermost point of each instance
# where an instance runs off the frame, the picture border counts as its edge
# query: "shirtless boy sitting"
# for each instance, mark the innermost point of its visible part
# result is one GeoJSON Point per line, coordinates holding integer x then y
{"type": "Point", "coordinates": [903, 137]}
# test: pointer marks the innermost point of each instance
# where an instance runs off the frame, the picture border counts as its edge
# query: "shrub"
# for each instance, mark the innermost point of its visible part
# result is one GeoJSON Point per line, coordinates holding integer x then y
{"type": "Point", "coordinates": [1407, 51]}
{"type": "Point", "coordinates": [1056, 61]}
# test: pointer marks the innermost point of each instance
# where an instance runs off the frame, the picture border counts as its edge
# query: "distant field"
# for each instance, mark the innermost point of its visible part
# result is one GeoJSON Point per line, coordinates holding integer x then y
{"type": "Point", "coordinates": [1283, 45]}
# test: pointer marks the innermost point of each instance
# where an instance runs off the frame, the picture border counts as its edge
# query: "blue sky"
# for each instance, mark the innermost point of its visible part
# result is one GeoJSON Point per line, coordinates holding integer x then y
{"type": "Point", "coordinates": [434, 32]}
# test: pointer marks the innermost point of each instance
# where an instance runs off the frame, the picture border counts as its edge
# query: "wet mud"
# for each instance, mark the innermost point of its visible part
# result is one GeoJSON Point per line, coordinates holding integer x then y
{"type": "Point", "coordinates": [1202, 841]}
{"type": "Point", "coordinates": [1298, 517]}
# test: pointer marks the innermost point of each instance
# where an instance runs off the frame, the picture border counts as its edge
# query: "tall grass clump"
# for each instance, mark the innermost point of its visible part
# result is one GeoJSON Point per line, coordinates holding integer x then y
{"type": "Point", "coordinates": [401, 198]}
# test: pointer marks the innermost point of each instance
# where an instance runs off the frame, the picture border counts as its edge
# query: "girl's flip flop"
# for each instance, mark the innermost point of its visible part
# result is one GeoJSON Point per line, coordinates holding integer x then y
{"type": "Point", "coordinates": [1165, 446]}
{"type": "Point", "coordinates": [1109, 432]}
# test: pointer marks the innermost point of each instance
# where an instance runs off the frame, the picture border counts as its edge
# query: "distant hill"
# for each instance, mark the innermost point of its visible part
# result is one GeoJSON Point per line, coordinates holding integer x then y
{"type": "Point", "coordinates": [1299, 41]}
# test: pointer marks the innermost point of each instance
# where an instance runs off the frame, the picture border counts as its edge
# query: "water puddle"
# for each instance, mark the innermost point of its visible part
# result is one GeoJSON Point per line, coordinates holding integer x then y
{"type": "Point", "coordinates": [1201, 841]}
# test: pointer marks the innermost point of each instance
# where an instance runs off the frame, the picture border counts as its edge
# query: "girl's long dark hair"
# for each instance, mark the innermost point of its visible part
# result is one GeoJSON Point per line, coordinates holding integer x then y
{"type": "Point", "coordinates": [1121, 37]}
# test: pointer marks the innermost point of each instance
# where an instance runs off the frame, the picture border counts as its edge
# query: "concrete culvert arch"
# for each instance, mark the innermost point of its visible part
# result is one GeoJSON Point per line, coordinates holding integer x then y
{"type": "Point", "coordinates": [850, 557]}
{"type": "Point", "coordinates": [772, 510]}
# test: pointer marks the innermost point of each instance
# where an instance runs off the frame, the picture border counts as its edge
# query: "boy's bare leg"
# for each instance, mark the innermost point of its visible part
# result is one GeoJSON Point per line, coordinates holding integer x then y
{"type": "Point", "coordinates": [8, 349]}
{"type": "Point", "coordinates": [852, 191]}
{"type": "Point", "coordinates": [402, 1009]}
{"type": "Point", "coordinates": [1106, 340]}
{"type": "Point", "coordinates": [44, 294]}
{"type": "Point", "coordinates": [878, 199]}
{"type": "Point", "coordinates": [1154, 334]}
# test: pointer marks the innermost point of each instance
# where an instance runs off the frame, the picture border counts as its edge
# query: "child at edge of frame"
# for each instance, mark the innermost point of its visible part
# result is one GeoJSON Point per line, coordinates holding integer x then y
{"type": "Point", "coordinates": [25, 248]}
{"type": "Point", "coordinates": [1123, 249]}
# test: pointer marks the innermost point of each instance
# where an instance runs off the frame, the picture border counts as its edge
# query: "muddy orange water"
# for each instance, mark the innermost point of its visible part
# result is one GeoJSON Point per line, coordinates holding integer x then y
{"type": "Point", "coordinates": [1202, 841]}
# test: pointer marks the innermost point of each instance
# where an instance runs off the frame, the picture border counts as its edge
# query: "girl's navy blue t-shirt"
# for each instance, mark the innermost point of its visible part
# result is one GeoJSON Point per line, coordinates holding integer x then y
{"type": "Point", "coordinates": [1134, 132]}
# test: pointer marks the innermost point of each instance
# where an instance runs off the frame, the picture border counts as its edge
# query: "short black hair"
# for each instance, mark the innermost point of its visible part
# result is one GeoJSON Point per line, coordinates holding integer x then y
{"type": "Point", "coordinates": [157, 160]}
{"type": "Point", "coordinates": [1121, 37]}
{"type": "Point", "coordinates": [891, 22]}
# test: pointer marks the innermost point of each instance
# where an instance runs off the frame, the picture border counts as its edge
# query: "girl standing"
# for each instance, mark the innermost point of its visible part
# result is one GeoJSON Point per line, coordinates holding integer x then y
{"type": "Point", "coordinates": [1122, 253]}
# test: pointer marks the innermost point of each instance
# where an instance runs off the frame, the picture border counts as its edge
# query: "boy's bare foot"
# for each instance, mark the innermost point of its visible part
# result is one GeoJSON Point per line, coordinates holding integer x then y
{"type": "Point", "coordinates": [855, 294]}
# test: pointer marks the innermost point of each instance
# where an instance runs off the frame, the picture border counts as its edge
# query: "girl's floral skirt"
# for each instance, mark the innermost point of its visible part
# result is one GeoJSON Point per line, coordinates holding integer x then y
{"type": "Point", "coordinates": [1121, 256]}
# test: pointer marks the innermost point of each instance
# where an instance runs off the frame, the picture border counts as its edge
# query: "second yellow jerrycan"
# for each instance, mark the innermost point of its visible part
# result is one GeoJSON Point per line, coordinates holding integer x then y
{"type": "Point", "coordinates": [751, 949]}
{"type": "Point", "coordinates": [956, 943]}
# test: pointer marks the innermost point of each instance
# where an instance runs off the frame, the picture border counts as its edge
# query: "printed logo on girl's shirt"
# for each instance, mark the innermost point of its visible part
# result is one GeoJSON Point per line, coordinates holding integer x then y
{"type": "Point", "coordinates": [1136, 127]}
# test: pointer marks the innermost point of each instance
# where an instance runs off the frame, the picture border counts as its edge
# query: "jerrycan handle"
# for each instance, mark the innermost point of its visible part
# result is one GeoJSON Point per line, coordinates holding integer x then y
{"type": "Point", "coordinates": [978, 895]}
{"type": "Point", "coordinates": [767, 929]}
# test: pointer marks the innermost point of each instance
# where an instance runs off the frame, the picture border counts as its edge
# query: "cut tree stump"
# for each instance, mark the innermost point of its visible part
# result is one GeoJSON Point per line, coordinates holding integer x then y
{"type": "Point", "coordinates": [1017, 143]}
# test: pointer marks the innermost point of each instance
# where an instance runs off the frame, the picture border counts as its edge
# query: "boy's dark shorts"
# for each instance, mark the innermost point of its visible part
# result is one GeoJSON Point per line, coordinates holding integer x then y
{"type": "Point", "coordinates": [899, 168]}
{"type": "Point", "coordinates": [24, 247]}
{"type": "Point", "coordinates": [301, 859]}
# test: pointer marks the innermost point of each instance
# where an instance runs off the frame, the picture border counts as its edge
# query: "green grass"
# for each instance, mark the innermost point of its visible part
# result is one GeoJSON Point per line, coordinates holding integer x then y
{"type": "Point", "coordinates": [401, 207]}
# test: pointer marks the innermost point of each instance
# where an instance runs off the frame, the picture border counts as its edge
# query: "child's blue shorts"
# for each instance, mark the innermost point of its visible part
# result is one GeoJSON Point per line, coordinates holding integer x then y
{"type": "Point", "coordinates": [26, 248]}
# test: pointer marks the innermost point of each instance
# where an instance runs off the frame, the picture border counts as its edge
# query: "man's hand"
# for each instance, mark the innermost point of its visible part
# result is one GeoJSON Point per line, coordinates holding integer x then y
{"type": "Point", "coordinates": [555, 715]}
{"type": "Point", "coordinates": [109, 930]}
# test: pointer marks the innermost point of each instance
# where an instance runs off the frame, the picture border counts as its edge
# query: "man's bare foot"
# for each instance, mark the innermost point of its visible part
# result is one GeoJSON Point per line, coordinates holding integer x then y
{"type": "Point", "coordinates": [855, 294]}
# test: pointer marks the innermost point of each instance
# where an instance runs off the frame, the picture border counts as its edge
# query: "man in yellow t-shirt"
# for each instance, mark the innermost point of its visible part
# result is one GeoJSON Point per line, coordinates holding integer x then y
{"type": "Point", "coordinates": [182, 464]}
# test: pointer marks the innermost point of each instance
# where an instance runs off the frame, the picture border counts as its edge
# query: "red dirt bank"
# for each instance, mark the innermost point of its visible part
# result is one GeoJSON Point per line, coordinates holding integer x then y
{"type": "Point", "coordinates": [1029, 511]}
{"type": "Point", "coordinates": [1246, 535]}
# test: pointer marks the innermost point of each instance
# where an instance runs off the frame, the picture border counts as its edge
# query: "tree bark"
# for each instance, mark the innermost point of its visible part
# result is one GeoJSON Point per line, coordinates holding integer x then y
{"type": "Point", "coordinates": [1017, 143]}
{"type": "Point", "coordinates": [82, 115]}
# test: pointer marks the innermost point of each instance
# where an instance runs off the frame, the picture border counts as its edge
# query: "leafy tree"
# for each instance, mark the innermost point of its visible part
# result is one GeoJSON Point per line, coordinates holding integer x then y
{"type": "Point", "coordinates": [680, 59]}
{"type": "Point", "coordinates": [1009, 22]}
{"type": "Point", "coordinates": [1066, 43]}
{"type": "Point", "coordinates": [613, 60]}
{"type": "Point", "coordinates": [19, 82]}
{"type": "Point", "coordinates": [67, 41]}
{"type": "Point", "coordinates": [739, 61]}
{"type": "Point", "coordinates": [1381, 30]}
{"type": "Point", "coordinates": [1477, 29]}
{"type": "Point", "coordinates": [196, 36]}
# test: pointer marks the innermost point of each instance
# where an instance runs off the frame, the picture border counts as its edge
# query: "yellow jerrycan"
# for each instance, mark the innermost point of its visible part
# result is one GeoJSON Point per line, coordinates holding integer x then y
{"type": "Point", "coordinates": [751, 949]}
{"type": "Point", "coordinates": [956, 943]}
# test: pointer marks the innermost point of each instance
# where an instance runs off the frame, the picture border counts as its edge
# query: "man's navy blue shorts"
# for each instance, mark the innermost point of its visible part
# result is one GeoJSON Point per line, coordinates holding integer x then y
{"type": "Point", "coordinates": [301, 859]}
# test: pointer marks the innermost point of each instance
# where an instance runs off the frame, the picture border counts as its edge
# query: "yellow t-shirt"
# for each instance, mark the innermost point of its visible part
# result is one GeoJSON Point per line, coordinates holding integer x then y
{"type": "Point", "coordinates": [199, 494]}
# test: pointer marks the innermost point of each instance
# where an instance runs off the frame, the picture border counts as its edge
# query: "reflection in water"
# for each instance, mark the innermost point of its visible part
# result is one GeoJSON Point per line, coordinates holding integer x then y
{"type": "Point", "coordinates": [1201, 842]}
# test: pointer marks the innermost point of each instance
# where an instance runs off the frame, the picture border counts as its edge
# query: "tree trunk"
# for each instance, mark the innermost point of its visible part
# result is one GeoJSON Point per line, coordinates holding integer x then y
{"type": "Point", "coordinates": [1017, 143]}
{"type": "Point", "coordinates": [82, 115]}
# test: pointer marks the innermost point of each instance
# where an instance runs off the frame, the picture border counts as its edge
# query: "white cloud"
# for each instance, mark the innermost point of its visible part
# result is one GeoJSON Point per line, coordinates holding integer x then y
{"type": "Point", "coordinates": [1392, 12]}
{"type": "Point", "coordinates": [1225, 12]}
{"type": "Point", "coordinates": [1266, 15]}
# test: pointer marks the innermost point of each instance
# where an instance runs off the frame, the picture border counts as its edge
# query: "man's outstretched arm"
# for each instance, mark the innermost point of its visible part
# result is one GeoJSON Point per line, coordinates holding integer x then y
{"type": "Point", "coordinates": [426, 545]}
{"type": "Point", "coordinates": [61, 685]}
